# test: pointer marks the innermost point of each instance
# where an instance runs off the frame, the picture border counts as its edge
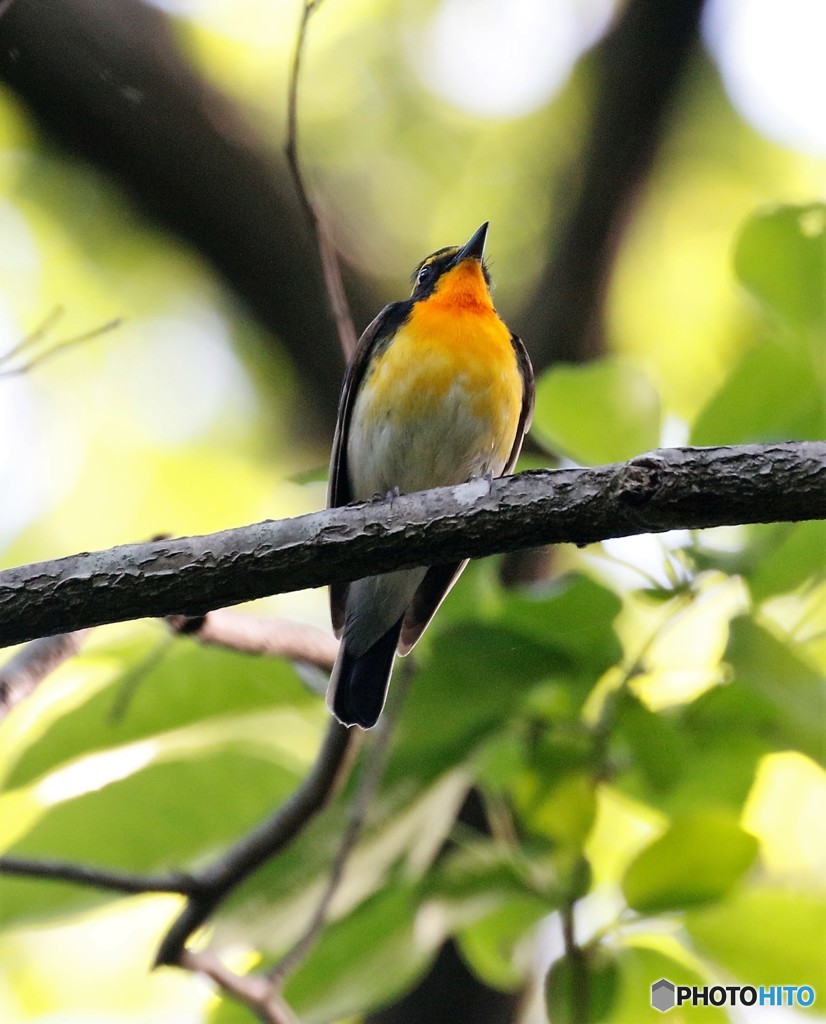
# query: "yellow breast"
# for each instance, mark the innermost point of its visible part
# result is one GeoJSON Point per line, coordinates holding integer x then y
{"type": "Point", "coordinates": [440, 404]}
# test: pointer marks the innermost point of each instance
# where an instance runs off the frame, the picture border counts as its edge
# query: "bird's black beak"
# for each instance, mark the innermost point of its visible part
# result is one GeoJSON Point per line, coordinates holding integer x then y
{"type": "Point", "coordinates": [475, 246]}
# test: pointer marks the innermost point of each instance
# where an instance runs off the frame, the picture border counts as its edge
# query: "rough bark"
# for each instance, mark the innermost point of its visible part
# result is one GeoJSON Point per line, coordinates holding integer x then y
{"type": "Point", "coordinates": [676, 488]}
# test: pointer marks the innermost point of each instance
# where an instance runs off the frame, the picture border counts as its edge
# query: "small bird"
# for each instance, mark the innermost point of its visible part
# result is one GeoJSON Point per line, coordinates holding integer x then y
{"type": "Point", "coordinates": [439, 391]}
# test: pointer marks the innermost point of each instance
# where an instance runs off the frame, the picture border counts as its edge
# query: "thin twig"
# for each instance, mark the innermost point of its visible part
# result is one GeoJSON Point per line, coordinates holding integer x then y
{"type": "Point", "coordinates": [221, 877]}
{"type": "Point", "coordinates": [580, 995]}
{"type": "Point", "coordinates": [131, 680]}
{"type": "Point", "coordinates": [99, 878]}
{"type": "Point", "coordinates": [307, 8]}
{"type": "Point", "coordinates": [253, 634]}
{"type": "Point", "coordinates": [253, 990]}
{"type": "Point", "coordinates": [365, 791]}
{"type": "Point", "coordinates": [262, 993]}
{"type": "Point", "coordinates": [61, 346]}
{"type": "Point", "coordinates": [22, 674]}
{"type": "Point", "coordinates": [329, 260]}
{"type": "Point", "coordinates": [48, 323]}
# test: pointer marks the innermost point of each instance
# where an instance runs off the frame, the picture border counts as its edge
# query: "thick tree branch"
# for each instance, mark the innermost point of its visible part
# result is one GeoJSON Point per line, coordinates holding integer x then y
{"type": "Point", "coordinates": [677, 488]}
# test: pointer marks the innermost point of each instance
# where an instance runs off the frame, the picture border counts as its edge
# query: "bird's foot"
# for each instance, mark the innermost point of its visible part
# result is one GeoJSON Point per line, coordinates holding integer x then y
{"type": "Point", "coordinates": [388, 496]}
{"type": "Point", "coordinates": [485, 478]}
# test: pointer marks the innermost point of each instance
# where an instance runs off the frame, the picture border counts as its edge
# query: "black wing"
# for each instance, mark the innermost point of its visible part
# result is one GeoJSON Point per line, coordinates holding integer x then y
{"type": "Point", "coordinates": [523, 361]}
{"type": "Point", "coordinates": [377, 334]}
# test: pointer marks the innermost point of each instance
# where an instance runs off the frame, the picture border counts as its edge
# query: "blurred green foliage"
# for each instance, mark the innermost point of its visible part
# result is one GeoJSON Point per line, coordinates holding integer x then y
{"type": "Point", "coordinates": [621, 396]}
{"type": "Point", "coordinates": [646, 732]}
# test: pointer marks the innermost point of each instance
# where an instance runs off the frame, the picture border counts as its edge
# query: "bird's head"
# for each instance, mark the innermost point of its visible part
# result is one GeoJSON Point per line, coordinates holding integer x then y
{"type": "Point", "coordinates": [455, 275]}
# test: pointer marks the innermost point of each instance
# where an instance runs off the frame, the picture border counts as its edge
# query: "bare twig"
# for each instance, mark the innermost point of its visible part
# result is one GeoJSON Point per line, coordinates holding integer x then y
{"type": "Point", "coordinates": [262, 993]}
{"type": "Point", "coordinates": [676, 488]}
{"type": "Point", "coordinates": [367, 785]}
{"type": "Point", "coordinates": [99, 878]}
{"type": "Point", "coordinates": [48, 323]}
{"type": "Point", "coordinates": [22, 674]}
{"type": "Point", "coordinates": [253, 634]}
{"type": "Point", "coordinates": [56, 349]}
{"type": "Point", "coordinates": [131, 680]}
{"type": "Point", "coordinates": [248, 634]}
{"type": "Point", "coordinates": [329, 260]}
{"type": "Point", "coordinates": [254, 991]}
{"type": "Point", "coordinates": [221, 877]}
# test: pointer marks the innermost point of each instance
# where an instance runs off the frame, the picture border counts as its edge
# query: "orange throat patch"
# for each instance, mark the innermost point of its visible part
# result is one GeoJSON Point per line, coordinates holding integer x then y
{"type": "Point", "coordinates": [463, 287]}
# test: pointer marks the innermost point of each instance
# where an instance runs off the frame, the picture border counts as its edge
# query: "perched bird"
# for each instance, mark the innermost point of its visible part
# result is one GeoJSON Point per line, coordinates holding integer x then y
{"type": "Point", "coordinates": [438, 392]}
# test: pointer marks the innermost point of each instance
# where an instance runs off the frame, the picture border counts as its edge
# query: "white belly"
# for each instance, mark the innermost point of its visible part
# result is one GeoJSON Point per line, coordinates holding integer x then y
{"type": "Point", "coordinates": [445, 444]}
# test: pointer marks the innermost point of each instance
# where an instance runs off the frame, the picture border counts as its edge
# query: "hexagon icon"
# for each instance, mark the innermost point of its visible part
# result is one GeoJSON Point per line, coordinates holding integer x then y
{"type": "Point", "coordinates": [662, 995]}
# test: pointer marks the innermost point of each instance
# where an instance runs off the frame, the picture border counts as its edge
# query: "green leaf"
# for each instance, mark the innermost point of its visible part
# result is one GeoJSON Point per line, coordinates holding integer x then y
{"type": "Point", "coordinates": [474, 681]}
{"type": "Point", "coordinates": [772, 394]}
{"type": "Point", "coordinates": [780, 256]}
{"type": "Point", "coordinates": [481, 873]}
{"type": "Point", "coordinates": [777, 391]}
{"type": "Point", "coordinates": [364, 960]}
{"type": "Point", "coordinates": [498, 946]}
{"type": "Point", "coordinates": [639, 967]}
{"type": "Point", "coordinates": [230, 1011]}
{"type": "Point", "coordinates": [189, 684]}
{"type": "Point", "coordinates": [765, 936]}
{"type": "Point", "coordinates": [698, 859]}
{"type": "Point", "coordinates": [404, 833]}
{"type": "Point", "coordinates": [313, 475]}
{"type": "Point", "coordinates": [653, 745]}
{"type": "Point", "coordinates": [563, 987]}
{"type": "Point", "coordinates": [576, 616]}
{"type": "Point", "coordinates": [793, 559]}
{"type": "Point", "coordinates": [560, 810]}
{"type": "Point", "coordinates": [728, 730]}
{"type": "Point", "coordinates": [164, 816]}
{"type": "Point", "coordinates": [604, 411]}
{"type": "Point", "coordinates": [717, 771]}
{"type": "Point", "coordinates": [791, 690]}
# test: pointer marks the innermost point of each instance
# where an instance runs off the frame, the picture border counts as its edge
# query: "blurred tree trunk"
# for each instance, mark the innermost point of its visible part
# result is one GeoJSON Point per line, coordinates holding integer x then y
{"type": "Point", "coordinates": [108, 81]}
{"type": "Point", "coordinates": [639, 68]}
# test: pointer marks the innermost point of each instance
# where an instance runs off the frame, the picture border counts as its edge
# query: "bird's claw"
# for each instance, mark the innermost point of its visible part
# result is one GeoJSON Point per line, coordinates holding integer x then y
{"type": "Point", "coordinates": [388, 496]}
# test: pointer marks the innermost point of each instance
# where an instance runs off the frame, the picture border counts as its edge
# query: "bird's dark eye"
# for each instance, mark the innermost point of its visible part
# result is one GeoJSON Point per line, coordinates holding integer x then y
{"type": "Point", "coordinates": [424, 275]}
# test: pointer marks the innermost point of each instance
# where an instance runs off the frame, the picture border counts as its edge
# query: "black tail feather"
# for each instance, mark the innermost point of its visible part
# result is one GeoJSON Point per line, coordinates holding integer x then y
{"type": "Point", "coordinates": [358, 686]}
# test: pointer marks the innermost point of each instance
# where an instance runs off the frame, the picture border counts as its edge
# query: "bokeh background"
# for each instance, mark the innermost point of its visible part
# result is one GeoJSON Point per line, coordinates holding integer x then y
{"type": "Point", "coordinates": [652, 173]}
